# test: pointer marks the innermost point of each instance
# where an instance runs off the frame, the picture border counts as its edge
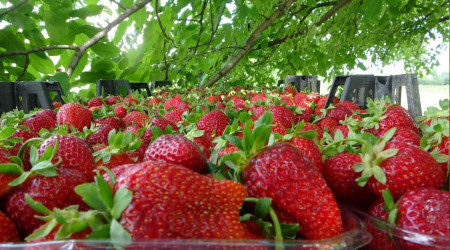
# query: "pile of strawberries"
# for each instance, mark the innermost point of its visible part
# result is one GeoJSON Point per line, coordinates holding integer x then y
{"type": "Point", "coordinates": [222, 164]}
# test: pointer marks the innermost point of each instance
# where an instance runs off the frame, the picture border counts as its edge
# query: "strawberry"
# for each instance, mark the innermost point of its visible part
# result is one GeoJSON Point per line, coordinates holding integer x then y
{"type": "Point", "coordinates": [340, 176]}
{"type": "Point", "coordinates": [258, 98]}
{"type": "Point", "coordinates": [174, 115]}
{"type": "Point", "coordinates": [205, 143]}
{"type": "Point", "coordinates": [170, 201]}
{"type": "Point", "coordinates": [120, 111]}
{"type": "Point", "coordinates": [51, 191]}
{"type": "Point", "coordinates": [321, 104]}
{"type": "Point", "coordinates": [339, 112]}
{"type": "Point", "coordinates": [139, 152]}
{"type": "Point", "coordinates": [328, 123]}
{"type": "Point", "coordinates": [132, 128]}
{"type": "Point", "coordinates": [402, 134]}
{"type": "Point", "coordinates": [282, 173]}
{"type": "Point", "coordinates": [73, 114]}
{"type": "Point", "coordinates": [425, 211]}
{"type": "Point", "coordinates": [130, 101]}
{"type": "Point", "coordinates": [380, 239]}
{"type": "Point", "coordinates": [299, 99]}
{"type": "Point", "coordinates": [238, 102]}
{"type": "Point", "coordinates": [352, 106]}
{"type": "Point", "coordinates": [252, 231]}
{"type": "Point", "coordinates": [154, 101]}
{"type": "Point", "coordinates": [56, 105]}
{"type": "Point", "coordinates": [278, 128]}
{"type": "Point", "coordinates": [38, 122]}
{"type": "Point", "coordinates": [397, 116]}
{"type": "Point", "coordinates": [25, 135]}
{"type": "Point", "coordinates": [112, 121]}
{"type": "Point", "coordinates": [283, 115]}
{"type": "Point", "coordinates": [100, 136]}
{"type": "Point", "coordinates": [163, 123]}
{"type": "Point", "coordinates": [172, 102]}
{"type": "Point", "coordinates": [343, 128]}
{"type": "Point", "coordinates": [176, 149]}
{"type": "Point", "coordinates": [111, 100]}
{"type": "Point", "coordinates": [287, 100]}
{"type": "Point", "coordinates": [313, 97]}
{"type": "Point", "coordinates": [75, 153]}
{"type": "Point", "coordinates": [8, 231]}
{"type": "Point", "coordinates": [215, 120]}
{"type": "Point", "coordinates": [310, 150]}
{"type": "Point", "coordinates": [94, 102]}
{"type": "Point", "coordinates": [136, 117]}
{"type": "Point", "coordinates": [5, 179]}
{"type": "Point", "coordinates": [47, 112]}
{"type": "Point", "coordinates": [405, 167]}
{"type": "Point", "coordinates": [115, 154]}
{"type": "Point", "coordinates": [306, 114]}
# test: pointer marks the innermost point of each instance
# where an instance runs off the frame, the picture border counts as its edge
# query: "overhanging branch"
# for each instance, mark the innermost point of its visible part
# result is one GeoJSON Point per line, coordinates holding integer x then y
{"type": "Point", "coordinates": [12, 8]}
{"type": "Point", "coordinates": [163, 30]}
{"type": "Point", "coordinates": [93, 40]}
{"type": "Point", "coordinates": [249, 43]}
{"type": "Point", "coordinates": [35, 50]}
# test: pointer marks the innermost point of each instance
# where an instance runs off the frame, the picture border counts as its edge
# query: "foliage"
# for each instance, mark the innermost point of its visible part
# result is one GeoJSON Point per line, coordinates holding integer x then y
{"type": "Point", "coordinates": [189, 42]}
{"type": "Point", "coordinates": [435, 79]}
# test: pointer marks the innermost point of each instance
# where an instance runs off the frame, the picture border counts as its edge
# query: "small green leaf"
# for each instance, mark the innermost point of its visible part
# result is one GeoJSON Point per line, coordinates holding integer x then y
{"type": "Point", "coordinates": [236, 141]}
{"type": "Point", "coordinates": [393, 216]}
{"type": "Point", "coordinates": [111, 136]}
{"type": "Point", "coordinates": [289, 231]}
{"type": "Point", "coordinates": [122, 199]}
{"type": "Point", "coordinates": [119, 234]}
{"type": "Point", "coordinates": [358, 167]}
{"type": "Point", "coordinates": [7, 132]}
{"type": "Point", "coordinates": [34, 155]}
{"type": "Point", "coordinates": [104, 191]}
{"type": "Point", "coordinates": [388, 199]}
{"type": "Point", "coordinates": [36, 206]}
{"type": "Point", "coordinates": [262, 207]}
{"type": "Point", "coordinates": [389, 134]}
{"type": "Point", "coordinates": [89, 193]}
{"type": "Point", "coordinates": [379, 174]}
{"type": "Point", "coordinates": [19, 180]}
{"type": "Point", "coordinates": [10, 168]}
{"type": "Point", "coordinates": [42, 231]}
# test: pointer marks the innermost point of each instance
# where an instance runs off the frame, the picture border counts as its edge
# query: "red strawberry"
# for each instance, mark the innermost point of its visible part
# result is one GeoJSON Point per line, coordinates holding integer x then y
{"type": "Point", "coordinates": [313, 97]}
{"type": "Point", "coordinates": [112, 121]}
{"type": "Point", "coordinates": [409, 169]}
{"type": "Point", "coordinates": [215, 120]}
{"type": "Point", "coordinates": [282, 173]}
{"type": "Point", "coordinates": [305, 115]}
{"type": "Point", "coordinates": [56, 105]}
{"type": "Point", "coordinates": [204, 142]}
{"type": "Point", "coordinates": [154, 101]}
{"type": "Point", "coordinates": [313, 127]}
{"type": "Point", "coordinates": [73, 114]}
{"type": "Point", "coordinates": [397, 116]}
{"type": "Point", "coordinates": [239, 103]}
{"type": "Point", "coordinates": [174, 115]}
{"type": "Point", "coordinates": [402, 134]}
{"type": "Point", "coordinates": [100, 136]}
{"type": "Point", "coordinates": [425, 211]}
{"type": "Point", "coordinates": [380, 239]}
{"type": "Point", "coordinates": [172, 103]}
{"type": "Point", "coordinates": [116, 160]}
{"type": "Point", "coordinates": [299, 99]}
{"type": "Point", "coordinates": [110, 100]}
{"type": "Point", "coordinates": [94, 102]}
{"type": "Point", "coordinates": [343, 128]}
{"type": "Point", "coordinates": [139, 153]}
{"type": "Point", "coordinates": [25, 135]}
{"type": "Point", "coordinates": [287, 100]}
{"type": "Point", "coordinates": [310, 150]}
{"type": "Point", "coordinates": [133, 128]}
{"type": "Point", "coordinates": [283, 115]}
{"type": "Point", "coordinates": [170, 201]}
{"type": "Point", "coordinates": [252, 231]}
{"type": "Point", "coordinates": [120, 111]}
{"type": "Point", "coordinates": [278, 128]}
{"type": "Point", "coordinates": [75, 153]}
{"type": "Point", "coordinates": [321, 104]}
{"type": "Point", "coordinates": [38, 122]}
{"type": "Point", "coordinates": [227, 150]}
{"type": "Point", "coordinates": [258, 98]}
{"type": "Point", "coordinates": [163, 123]}
{"type": "Point", "coordinates": [53, 192]}
{"type": "Point", "coordinates": [176, 149]}
{"type": "Point", "coordinates": [328, 123]}
{"type": "Point", "coordinates": [131, 101]}
{"type": "Point", "coordinates": [5, 179]}
{"type": "Point", "coordinates": [47, 112]}
{"type": "Point", "coordinates": [136, 117]}
{"type": "Point", "coordinates": [340, 176]}
{"type": "Point", "coordinates": [340, 112]}
{"type": "Point", "coordinates": [352, 106]}
{"type": "Point", "coordinates": [8, 231]}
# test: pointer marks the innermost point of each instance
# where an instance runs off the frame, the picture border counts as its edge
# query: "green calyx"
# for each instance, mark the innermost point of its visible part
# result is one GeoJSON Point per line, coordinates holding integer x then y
{"type": "Point", "coordinates": [372, 155]}
{"type": "Point", "coordinates": [262, 212]}
{"type": "Point", "coordinates": [118, 143]}
{"type": "Point", "coordinates": [102, 219]}
{"type": "Point", "coordinates": [375, 112]}
{"type": "Point", "coordinates": [40, 166]}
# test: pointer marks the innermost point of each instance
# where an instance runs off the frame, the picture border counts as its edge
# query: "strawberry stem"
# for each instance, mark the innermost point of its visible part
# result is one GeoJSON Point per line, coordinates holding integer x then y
{"type": "Point", "coordinates": [274, 217]}
{"type": "Point", "coordinates": [343, 140]}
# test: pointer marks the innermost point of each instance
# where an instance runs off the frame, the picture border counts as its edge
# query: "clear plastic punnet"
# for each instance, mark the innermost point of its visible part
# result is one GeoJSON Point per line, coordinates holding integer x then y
{"type": "Point", "coordinates": [402, 238]}
{"type": "Point", "coordinates": [355, 237]}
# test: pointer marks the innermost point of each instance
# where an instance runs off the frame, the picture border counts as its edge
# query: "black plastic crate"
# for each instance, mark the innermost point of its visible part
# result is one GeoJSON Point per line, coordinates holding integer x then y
{"type": "Point", "coordinates": [7, 96]}
{"type": "Point", "coordinates": [302, 83]}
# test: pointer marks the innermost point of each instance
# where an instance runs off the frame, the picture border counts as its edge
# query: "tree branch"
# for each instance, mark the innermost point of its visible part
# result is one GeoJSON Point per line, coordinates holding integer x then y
{"type": "Point", "coordinates": [202, 12]}
{"type": "Point", "coordinates": [443, 19]}
{"type": "Point", "coordinates": [322, 20]}
{"type": "Point", "coordinates": [249, 43]}
{"type": "Point", "coordinates": [165, 63]}
{"type": "Point", "coordinates": [35, 50]}
{"type": "Point", "coordinates": [12, 8]}
{"type": "Point", "coordinates": [163, 30]}
{"type": "Point", "coordinates": [25, 67]}
{"type": "Point", "coordinates": [119, 4]}
{"type": "Point", "coordinates": [93, 40]}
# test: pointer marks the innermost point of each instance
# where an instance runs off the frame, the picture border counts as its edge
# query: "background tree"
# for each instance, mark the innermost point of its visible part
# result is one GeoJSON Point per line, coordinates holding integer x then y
{"type": "Point", "coordinates": [201, 43]}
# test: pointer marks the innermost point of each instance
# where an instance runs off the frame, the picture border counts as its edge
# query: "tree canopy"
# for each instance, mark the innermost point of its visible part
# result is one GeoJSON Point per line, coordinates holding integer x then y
{"type": "Point", "coordinates": [201, 43]}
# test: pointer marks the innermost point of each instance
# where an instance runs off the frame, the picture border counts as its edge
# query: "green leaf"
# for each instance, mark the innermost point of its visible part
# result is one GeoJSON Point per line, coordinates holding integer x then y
{"type": "Point", "coordinates": [42, 231]}
{"type": "Point", "coordinates": [388, 199]}
{"type": "Point", "coordinates": [236, 141]}
{"type": "Point", "coordinates": [89, 193]}
{"type": "Point", "coordinates": [107, 50]}
{"type": "Point", "coordinates": [379, 174]}
{"type": "Point", "coordinates": [262, 207]}
{"type": "Point", "coordinates": [289, 231]}
{"type": "Point", "coordinates": [19, 180]}
{"type": "Point", "coordinates": [389, 134]}
{"type": "Point", "coordinates": [104, 191]}
{"type": "Point", "coordinates": [393, 216]}
{"type": "Point", "coordinates": [36, 206]}
{"type": "Point", "coordinates": [119, 234]}
{"type": "Point", "coordinates": [122, 199]}
{"type": "Point", "coordinates": [10, 168]}
{"type": "Point", "coordinates": [7, 132]}
{"type": "Point", "coordinates": [247, 140]}
{"type": "Point", "coordinates": [358, 167]}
